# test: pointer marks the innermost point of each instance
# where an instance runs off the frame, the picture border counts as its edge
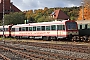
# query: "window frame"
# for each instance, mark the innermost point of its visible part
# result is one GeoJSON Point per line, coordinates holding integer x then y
{"type": "Point", "coordinates": [34, 27]}
{"type": "Point", "coordinates": [31, 28]}
{"type": "Point", "coordinates": [38, 28]}
{"type": "Point", "coordinates": [43, 28]}
{"type": "Point", "coordinates": [47, 28]}
{"type": "Point", "coordinates": [53, 27]}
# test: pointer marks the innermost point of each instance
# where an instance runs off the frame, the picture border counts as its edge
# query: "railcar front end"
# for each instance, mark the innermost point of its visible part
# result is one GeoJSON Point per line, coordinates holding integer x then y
{"type": "Point", "coordinates": [72, 30]}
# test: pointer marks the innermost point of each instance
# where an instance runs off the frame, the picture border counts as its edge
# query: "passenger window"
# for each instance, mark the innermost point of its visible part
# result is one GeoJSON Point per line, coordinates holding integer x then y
{"type": "Point", "coordinates": [88, 26]}
{"type": "Point", "coordinates": [38, 28]}
{"type": "Point", "coordinates": [85, 26]}
{"type": "Point", "coordinates": [34, 28]}
{"type": "Point", "coordinates": [24, 29]}
{"type": "Point", "coordinates": [16, 29]}
{"type": "Point", "coordinates": [1, 29]}
{"type": "Point", "coordinates": [30, 28]}
{"type": "Point", "coordinates": [43, 28]}
{"type": "Point", "coordinates": [13, 29]}
{"type": "Point", "coordinates": [6, 29]}
{"type": "Point", "coordinates": [53, 27]}
{"type": "Point", "coordinates": [47, 28]}
{"type": "Point", "coordinates": [59, 27]}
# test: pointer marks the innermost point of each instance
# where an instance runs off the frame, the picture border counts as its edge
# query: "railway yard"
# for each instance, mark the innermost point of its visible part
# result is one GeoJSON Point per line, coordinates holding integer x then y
{"type": "Point", "coordinates": [43, 50]}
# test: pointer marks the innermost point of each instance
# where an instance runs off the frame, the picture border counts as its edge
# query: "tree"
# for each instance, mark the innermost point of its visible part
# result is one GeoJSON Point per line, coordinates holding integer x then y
{"type": "Point", "coordinates": [45, 11]}
{"type": "Point", "coordinates": [72, 18]}
{"type": "Point", "coordinates": [85, 11]}
{"type": "Point", "coordinates": [29, 14]}
{"type": "Point", "coordinates": [14, 18]}
{"type": "Point", "coordinates": [43, 19]}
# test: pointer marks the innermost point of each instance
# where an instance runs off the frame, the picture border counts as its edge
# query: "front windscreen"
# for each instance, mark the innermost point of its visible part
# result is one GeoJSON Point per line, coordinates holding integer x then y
{"type": "Point", "coordinates": [71, 25]}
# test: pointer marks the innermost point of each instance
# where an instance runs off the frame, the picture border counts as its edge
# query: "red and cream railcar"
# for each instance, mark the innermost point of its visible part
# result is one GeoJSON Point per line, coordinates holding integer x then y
{"type": "Point", "coordinates": [46, 30]}
{"type": "Point", "coordinates": [7, 30]}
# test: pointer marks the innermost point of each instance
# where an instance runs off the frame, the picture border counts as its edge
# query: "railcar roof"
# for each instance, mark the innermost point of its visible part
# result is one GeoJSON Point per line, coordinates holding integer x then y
{"type": "Point", "coordinates": [41, 23]}
{"type": "Point", "coordinates": [50, 22]}
{"type": "Point", "coordinates": [6, 26]}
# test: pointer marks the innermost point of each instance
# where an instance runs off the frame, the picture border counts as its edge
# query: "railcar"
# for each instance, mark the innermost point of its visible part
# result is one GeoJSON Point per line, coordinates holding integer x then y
{"type": "Point", "coordinates": [7, 31]}
{"type": "Point", "coordinates": [84, 29]}
{"type": "Point", "coordinates": [46, 30]}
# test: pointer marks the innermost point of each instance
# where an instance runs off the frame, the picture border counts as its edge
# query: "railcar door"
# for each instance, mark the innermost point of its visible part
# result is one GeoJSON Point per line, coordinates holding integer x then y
{"type": "Point", "coordinates": [60, 31]}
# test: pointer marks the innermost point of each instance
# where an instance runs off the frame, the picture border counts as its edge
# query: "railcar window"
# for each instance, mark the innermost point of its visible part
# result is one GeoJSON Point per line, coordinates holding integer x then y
{"type": "Point", "coordinates": [60, 27]}
{"type": "Point", "coordinates": [38, 28]}
{"type": "Point", "coordinates": [13, 29]}
{"type": "Point", "coordinates": [78, 26]}
{"type": "Point", "coordinates": [47, 28]}
{"type": "Point", "coordinates": [53, 27]}
{"type": "Point", "coordinates": [34, 28]}
{"type": "Point", "coordinates": [6, 29]}
{"type": "Point", "coordinates": [1, 29]}
{"type": "Point", "coordinates": [30, 28]}
{"type": "Point", "coordinates": [71, 25]}
{"type": "Point", "coordinates": [43, 28]}
{"type": "Point", "coordinates": [23, 28]}
{"type": "Point", "coordinates": [83, 26]}
{"type": "Point", "coordinates": [16, 29]}
{"type": "Point", "coordinates": [88, 26]}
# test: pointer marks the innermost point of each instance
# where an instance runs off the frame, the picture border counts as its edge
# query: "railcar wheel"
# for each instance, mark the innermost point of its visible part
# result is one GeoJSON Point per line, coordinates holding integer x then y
{"type": "Point", "coordinates": [16, 37]}
{"type": "Point", "coordinates": [70, 37]}
{"type": "Point", "coordinates": [85, 38]}
{"type": "Point", "coordinates": [89, 39]}
{"type": "Point", "coordinates": [46, 38]}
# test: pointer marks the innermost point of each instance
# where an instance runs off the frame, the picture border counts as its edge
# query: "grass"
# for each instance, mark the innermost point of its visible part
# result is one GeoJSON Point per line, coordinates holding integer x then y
{"type": "Point", "coordinates": [1, 38]}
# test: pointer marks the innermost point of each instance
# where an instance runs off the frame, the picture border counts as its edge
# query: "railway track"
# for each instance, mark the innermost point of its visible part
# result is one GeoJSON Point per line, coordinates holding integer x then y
{"type": "Point", "coordinates": [8, 54]}
{"type": "Point", "coordinates": [43, 51]}
{"type": "Point", "coordinates": [67, 47]}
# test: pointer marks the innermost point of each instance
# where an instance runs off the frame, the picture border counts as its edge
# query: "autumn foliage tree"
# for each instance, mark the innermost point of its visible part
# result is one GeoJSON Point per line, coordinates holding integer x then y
{"type": "Point", "coordinates": [85, 11]}
{"type": "Point", "coordinates": [39, 15]}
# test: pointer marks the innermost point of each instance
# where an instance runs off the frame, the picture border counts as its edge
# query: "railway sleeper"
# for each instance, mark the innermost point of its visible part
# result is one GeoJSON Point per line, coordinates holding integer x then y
{"type": "Point", "coordinates": [4, 57]}
{"type": "Point", "coordinates": [56, 55]}
{"type": "Point", "coordinates": [16, 52]}
{"type": "Point", "coordinates": [25, 55]}
{"type": "Point", "coordinates": [52, 55]}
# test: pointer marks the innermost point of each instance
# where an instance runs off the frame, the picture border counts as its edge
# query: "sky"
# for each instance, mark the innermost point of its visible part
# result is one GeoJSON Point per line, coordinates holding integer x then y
{"type": "Point", "coordinates": [24, 5]}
